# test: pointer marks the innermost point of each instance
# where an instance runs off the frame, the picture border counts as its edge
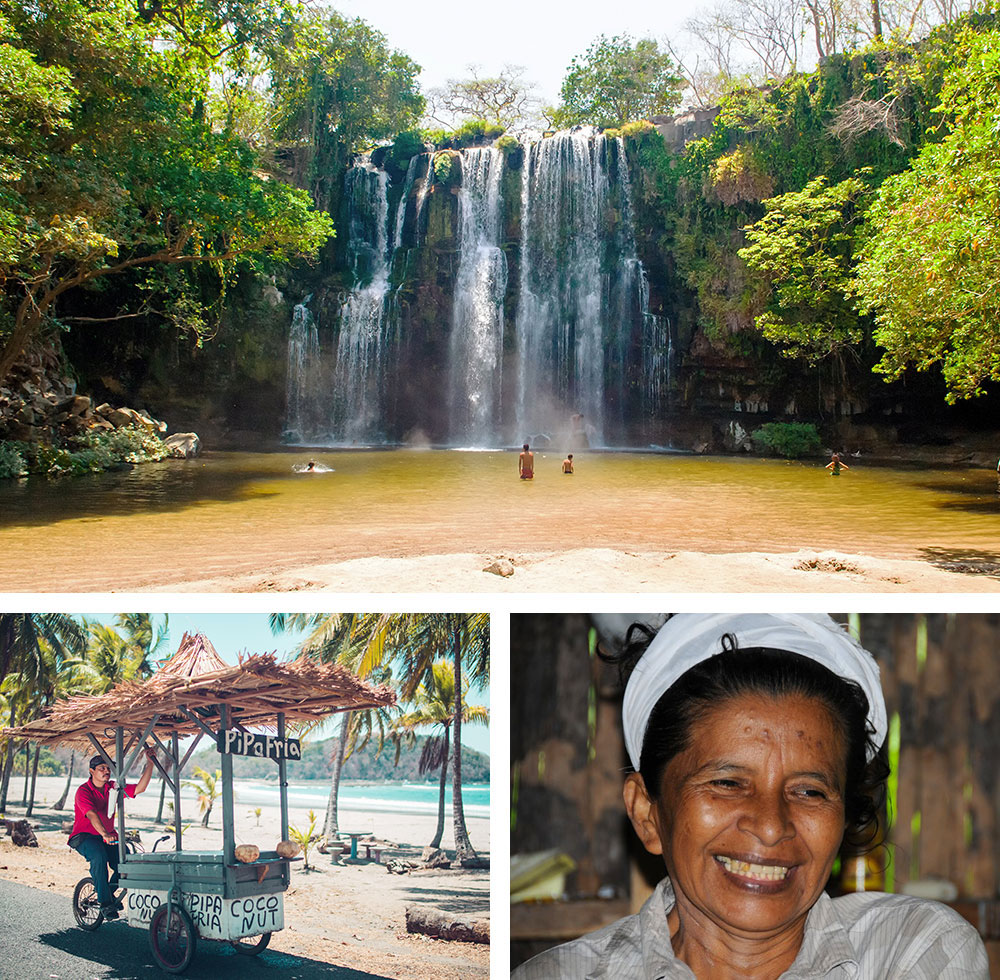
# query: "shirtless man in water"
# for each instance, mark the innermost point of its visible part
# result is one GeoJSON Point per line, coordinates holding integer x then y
{"type": "Point", "coordinates": [526, 464]}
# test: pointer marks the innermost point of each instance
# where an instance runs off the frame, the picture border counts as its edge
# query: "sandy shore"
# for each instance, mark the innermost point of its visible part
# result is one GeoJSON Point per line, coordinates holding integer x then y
{"type": "Point", "coordinates": [347, 915]}
{"type": "Point", "coordinates": [597, 570]}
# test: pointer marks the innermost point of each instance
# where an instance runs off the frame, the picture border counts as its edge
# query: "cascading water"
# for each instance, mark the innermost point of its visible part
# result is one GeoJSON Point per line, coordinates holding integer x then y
{"type": "Point", "coordinates": [361, 343]}
{"type": "Point", "coordinates": [576, 263]}
{"type": "Point", "coordinates": [303, 359]}
{"type": "Point", "coordinates": [476, 345]}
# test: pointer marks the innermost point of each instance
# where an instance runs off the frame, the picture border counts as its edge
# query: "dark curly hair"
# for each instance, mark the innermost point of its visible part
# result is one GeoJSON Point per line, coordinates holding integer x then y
{"type": "Point", "coordinates": [770, 673]}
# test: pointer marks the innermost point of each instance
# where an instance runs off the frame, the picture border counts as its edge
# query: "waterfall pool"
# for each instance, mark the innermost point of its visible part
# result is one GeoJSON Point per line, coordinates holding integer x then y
{"type": "Point", "coordinates": [232, 514]}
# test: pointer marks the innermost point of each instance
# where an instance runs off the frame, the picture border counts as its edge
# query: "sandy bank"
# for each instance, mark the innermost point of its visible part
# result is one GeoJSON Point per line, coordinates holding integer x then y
{"type": "Point", "coordinates": [352, 916]}
{"type": "Point", "coordinates": [599, 570]}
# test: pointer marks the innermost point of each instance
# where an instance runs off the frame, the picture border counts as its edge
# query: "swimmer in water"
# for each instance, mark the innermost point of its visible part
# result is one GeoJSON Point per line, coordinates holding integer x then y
{"type": "Point", "coordinates": [836, 465]}
{"type": "Point", "coordinates": [526, 464]}
{"type": "Point", "coordinates": [311, 466]}
{"type": "Point", "coordinates": [567, 464]}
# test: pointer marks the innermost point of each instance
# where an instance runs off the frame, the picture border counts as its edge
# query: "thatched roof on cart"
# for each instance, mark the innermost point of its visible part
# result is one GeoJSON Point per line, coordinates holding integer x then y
{"type": "Point", "coordinates": [196, 678]}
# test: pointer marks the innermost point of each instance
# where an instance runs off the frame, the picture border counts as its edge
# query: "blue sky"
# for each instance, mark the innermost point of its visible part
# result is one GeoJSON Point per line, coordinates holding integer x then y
{"type": "Point", "coordinates": [234, 633]}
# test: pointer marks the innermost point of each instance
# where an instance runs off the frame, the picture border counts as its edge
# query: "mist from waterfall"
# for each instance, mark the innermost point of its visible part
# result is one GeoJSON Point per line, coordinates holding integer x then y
{"type": "Point", "coordinates": [476, 343]}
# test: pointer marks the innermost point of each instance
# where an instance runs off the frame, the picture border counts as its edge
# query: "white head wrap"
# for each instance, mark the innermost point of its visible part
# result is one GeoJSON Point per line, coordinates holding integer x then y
{"type": "Point", "coordinates": [689, 638]}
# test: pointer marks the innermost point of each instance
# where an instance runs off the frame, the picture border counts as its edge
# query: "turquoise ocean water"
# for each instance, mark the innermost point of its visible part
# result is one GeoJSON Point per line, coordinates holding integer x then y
{"type": "Point", "coordinates": [370, 797]}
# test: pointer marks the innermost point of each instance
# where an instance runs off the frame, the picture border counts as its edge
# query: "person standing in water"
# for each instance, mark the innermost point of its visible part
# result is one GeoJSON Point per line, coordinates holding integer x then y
{"type": "Point", "coordinates": [567, 464]}
{"type": "Point", "coordinates": [526, 464]}
{"type": "Point", "coordinates": [836, 465]}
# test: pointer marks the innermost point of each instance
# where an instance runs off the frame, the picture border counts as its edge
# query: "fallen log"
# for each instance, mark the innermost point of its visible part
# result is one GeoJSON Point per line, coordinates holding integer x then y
{"type": "Point", "coordinates": [441, 925]}
{"type": "Point", "coordinates": [20, 833]}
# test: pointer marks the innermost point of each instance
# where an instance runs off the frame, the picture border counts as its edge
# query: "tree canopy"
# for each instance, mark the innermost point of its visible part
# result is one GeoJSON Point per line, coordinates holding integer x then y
{"type": "Point", "coordinates": [930, 269]}
{"type": "Point", "coordinates": [618, 80]}
{"type": "Point", "coordinates": [111, 163]}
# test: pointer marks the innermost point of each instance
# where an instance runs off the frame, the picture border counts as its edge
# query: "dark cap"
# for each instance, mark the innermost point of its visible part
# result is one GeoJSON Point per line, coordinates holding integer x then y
{"type": "Point", "coordinates": [97, 760]}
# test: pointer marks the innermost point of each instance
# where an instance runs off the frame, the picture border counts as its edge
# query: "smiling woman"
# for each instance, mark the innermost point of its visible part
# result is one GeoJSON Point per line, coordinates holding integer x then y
{"type": "Point", "coordinates": [755, 743]}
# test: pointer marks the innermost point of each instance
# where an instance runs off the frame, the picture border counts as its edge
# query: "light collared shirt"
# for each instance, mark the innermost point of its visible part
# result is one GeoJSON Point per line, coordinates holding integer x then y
{"type": "Point", "coordinates": [863, 936]}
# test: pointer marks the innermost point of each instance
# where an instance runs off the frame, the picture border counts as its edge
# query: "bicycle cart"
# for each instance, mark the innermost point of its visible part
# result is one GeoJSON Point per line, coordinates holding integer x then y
{"type": "Point", "coordinates": [183, 896]}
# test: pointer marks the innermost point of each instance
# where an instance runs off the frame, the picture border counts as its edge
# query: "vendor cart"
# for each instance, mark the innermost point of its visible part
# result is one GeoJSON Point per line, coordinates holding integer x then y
{"type": "Point", "coordinates": [181, 896]}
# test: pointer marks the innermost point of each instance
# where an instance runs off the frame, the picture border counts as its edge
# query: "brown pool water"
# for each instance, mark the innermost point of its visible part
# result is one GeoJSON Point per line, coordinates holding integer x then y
{"type": "Point", "coordinates": [231, 513]}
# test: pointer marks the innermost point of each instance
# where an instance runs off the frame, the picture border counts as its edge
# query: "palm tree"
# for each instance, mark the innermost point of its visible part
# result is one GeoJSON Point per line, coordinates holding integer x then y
{"type": "Point", "coordinates": [434, 706]}
{"type": "Point", "coordinates": [37, 664]}
{"type": "Point", "coordinates": [330, 641]}
{"type": "Point", "coordinates": [415, 641]}
{"type": "Point", "coordinates": [409, 643]}
{"type": "Point", "coordinates": [20, 634]}
{"type": "Point", "coordinates": [208, 787]}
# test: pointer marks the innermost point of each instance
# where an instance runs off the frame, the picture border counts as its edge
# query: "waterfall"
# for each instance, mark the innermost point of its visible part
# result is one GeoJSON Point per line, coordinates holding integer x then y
{"type": "Point", "coordinates": [476, 344]}
{"type": "Point", "coordinates": [428, 340]}
{"type": "Point", "coordinates": [303, 361]}
{"type": "Point", "coordinates": [565, 316]}
{"type": "Point", "coordinates": [361, 344]}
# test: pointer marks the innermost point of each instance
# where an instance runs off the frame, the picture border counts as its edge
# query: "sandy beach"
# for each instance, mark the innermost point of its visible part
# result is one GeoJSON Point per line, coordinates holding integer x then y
{"type": "Point", "coordinates": [347, 915]}
{"type": "Point", "coordinates": [602, 570]}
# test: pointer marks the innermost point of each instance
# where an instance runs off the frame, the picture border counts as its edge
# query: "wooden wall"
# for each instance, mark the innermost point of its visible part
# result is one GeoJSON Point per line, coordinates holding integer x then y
{"type": "Point", "coordinates": [941, 677]}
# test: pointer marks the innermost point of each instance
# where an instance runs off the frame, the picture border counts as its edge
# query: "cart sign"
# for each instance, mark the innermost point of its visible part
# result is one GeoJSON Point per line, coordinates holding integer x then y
{"type": "Point", "coordinates": [234, 742]}
{"type": "Point", "coordinates": [214, 916]}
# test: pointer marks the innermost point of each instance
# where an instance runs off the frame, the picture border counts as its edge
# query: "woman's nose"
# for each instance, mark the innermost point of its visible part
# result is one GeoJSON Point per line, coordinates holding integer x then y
{"type": "Point", "coordinates": [768, 818]}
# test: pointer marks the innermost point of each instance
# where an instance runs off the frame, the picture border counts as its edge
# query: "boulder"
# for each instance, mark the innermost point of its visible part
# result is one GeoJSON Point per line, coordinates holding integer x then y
{"type": "Point", "coordinates": [502, 567]}
{"type": "Point", "coordinates": [74, 405]}
{"type": "Point", "coordinates": [183, 445]}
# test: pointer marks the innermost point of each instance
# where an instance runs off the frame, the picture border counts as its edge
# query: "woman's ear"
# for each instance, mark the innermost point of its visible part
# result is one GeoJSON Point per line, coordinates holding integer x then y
{"type": "Point", "coordinates": [642, 812]}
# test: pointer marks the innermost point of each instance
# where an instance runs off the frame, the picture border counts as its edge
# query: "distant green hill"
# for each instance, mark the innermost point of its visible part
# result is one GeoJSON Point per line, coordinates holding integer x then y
{"type": "Point", "coordinates": [362, 765]}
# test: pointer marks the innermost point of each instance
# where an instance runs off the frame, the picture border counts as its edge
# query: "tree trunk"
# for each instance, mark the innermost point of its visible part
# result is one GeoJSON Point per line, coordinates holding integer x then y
{"type": "Point", "coordinates": [439, 833]}
{"type": "Point", "coordinates": [163, 796]}
{"type": "Point", "coordinates": [8, 766]}
{"type": "Point", "coordinates": [465, 853]}
{"type": "Point", "coordinates": [61, 802]}
{"type": "Point", "coordinates": [331, 827]}
{"type": "Point", "coordinates": [208, 813]}
{"type": "Point", "coordinates": [877, 19]}
{"type": "Point", "coordinates": [27, 773]}
{"type": "Point", "coordinates": [34, 779]}
{"type": "Point", "coordinates": [446, 925]}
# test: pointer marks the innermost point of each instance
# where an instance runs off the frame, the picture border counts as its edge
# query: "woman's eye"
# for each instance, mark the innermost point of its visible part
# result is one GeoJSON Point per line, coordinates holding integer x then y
{"type": "Point", "coordinates": [810, 793]}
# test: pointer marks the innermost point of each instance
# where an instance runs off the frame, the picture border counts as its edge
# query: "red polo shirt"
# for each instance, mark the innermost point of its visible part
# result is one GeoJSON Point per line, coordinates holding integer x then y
{"type": "Point", "coordinates": [89, 797]}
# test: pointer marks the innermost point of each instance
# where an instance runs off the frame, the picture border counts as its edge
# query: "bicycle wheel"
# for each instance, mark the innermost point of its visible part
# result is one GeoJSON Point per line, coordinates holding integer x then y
{"type": "Point", "coordinates": [86, 907]}
{"type": "Point", "coordinates": [251, 945]}
{"type": "Point", "coordinates": [172, 938]}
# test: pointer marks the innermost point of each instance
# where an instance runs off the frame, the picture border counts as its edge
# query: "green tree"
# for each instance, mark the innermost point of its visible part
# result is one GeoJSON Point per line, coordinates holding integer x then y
{"type": "Point", "coordinates": [433, 707]}
{"type": "Point", "coordinates": [930, 269]}
{"type": "Point", "coordinates": [208, 787]}
{"type": "Point", "coordinates": [330, 640]}
{"type": "Point", "coordinates": [413, 642]}
{"type": "Point", "coordinates": [337, 87]}
{"type": "Point", "coordinates": [39, 661]}
{"type": "Point", "coordinates": [618, 80]}
{"type": "Point", "coordinates": [119, 169]}
{"type": "Point", "coordinates": [804, 245]}
{"type": "Point", "coordinates": [410, 643]}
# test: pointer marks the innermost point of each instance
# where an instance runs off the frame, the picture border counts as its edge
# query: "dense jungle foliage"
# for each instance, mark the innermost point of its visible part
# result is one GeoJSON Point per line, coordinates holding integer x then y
{"type": "Point", "coordinates": [849, 215]}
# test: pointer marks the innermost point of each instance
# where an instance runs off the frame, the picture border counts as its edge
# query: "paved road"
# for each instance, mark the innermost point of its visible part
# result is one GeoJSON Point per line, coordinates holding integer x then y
{"type": "Point", "coordinates": [40, 940]}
